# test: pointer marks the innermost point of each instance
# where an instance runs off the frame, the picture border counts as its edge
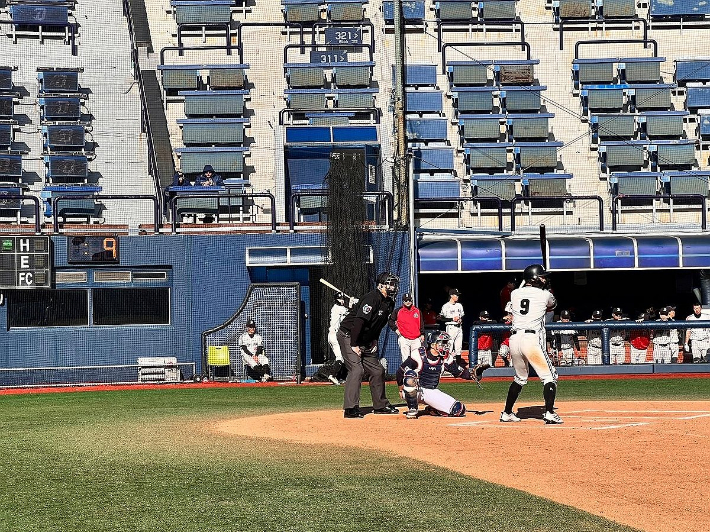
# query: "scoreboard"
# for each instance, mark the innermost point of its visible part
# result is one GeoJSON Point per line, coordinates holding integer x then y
{"type": "Point", "coordinates": [25, 262]}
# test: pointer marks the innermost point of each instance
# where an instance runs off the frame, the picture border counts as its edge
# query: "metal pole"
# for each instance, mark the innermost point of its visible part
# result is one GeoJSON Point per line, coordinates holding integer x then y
{"type": "Point", "coordinates": [399, 108]}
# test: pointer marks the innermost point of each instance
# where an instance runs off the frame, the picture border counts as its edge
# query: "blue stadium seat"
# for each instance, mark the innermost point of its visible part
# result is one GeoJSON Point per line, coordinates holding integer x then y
{"type": "Point", "coordinates": [179, 77]}
{"type": "Point", "coordinates": [704, 129]}
{"type": "Point", "coordinates": [417, 75]}
{"type": "Point", "coordinates": [39, 14]}
{"type": "Point", "coordinates": [497, 10]}
{"type": "Point", "coordinates": [481, 127]}
{"type": "Point", "coordinates": [629, 154]}
{"type": "Point", "coordinates": [6, 78]}
{"type": "Point", "coordinates": [691, 70]}
{"type": "Point", "coordinates": [536, 155]}
{"type": "Point", "coordinates": [302, 11]}
{"type": "Point", "coordinates": [214, 103]}
{"type": "Point", "coordinates": [697, 97]}
{"type": "Point", "coordinates": [355, 74]}
{"type": "Point", "coordinates": [521, 98]}
{"type": "Point", "coordinates": [452, 10]}
{"type": "Point", "coordinates": [424, 101]}
{"type": "Point", "coordinates": [650, 96]}
{"type": "Point", "coordinates": [594, 71]}
{"type": "Point", "coordinates": [7, 106]}
{"type": "Point", "coordinates": [82, 208]}
{"type": "Point", "coordinates": [224, 160]}
{"type": "Point", "coordinates": [486, 156]}
{"type": "Point", "coordinates": [656, 124]}
{"type": "Point", "coordinates": [58, 108]}
{"type": "Point", "coordinates": [426, 129]}
{"type": "Point", "coordinates": [616, 9]}
{"type": "Point", "coordinates": [429, 159]}
{"type": "Point", "coordinates": [64, 137]}
{"type": "Point", "coordinates": [10, 167]}
{"type": "Point", "coordinates": [213, 131]}
{"type": "Point", "coordinates": [665, 154]}
{"type": "Point", "coordinates": [11, 208]}
{"type": "Point", "coordinates": [355, 134]}
{"type": "Point", "coordinates": [52, 81]}
{"type": "Point", "coordinates": [660, 9]}
{"type": "Point", "coordinates": [413, 11]}
{"type": "Point", "coordinates": [474, 99]}
{"type": "Point", "coordinates": [550, 184]}
{"type": "Point", "coordinates": [515, 71]}
{"type": "Point", "coordinates": [687, 182]}
{"type": "Point", "coordinates": [346, 10]}
{"type": "Point", "coordinates": [603, 98]}
{"type": "Point", "coordinates": [494, 186]}
{"type": "Point", "coordinates": [7, 135]}
{"type": "Point", "coordinates": [66, 168]}
{"type": "Point", "coordinates": [197, 13]}
{"type": "Point", "coordinates": [634, 183]}
{"type": "Point", "coordinates": [528, 126]}
{"type": "Point", "coordinates": [436, 186]}
{"type": "Point", "coordinates": [467, 73]}
{"type": "Point", "coordinates": [640, 69]}
{"type": "Point", "coordinates": [612, 126]}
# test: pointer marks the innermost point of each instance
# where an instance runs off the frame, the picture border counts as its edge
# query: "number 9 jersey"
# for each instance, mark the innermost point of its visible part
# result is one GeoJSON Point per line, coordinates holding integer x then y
{"type": "Point", "coordinates": [529, 305]}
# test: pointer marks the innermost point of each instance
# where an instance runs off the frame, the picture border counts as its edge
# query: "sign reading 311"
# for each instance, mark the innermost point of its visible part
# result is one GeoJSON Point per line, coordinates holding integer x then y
{"type": "Point", "coordinates": [25, 262]}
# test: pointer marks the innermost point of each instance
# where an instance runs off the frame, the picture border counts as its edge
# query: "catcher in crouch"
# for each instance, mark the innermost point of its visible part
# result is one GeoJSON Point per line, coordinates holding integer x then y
{"type": "Point", "coordinates": [418, 378]}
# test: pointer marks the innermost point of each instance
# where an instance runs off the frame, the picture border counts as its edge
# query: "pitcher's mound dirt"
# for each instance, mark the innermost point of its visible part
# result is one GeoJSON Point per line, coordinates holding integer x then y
{"type": "Point", "coordinates": [644, 464]}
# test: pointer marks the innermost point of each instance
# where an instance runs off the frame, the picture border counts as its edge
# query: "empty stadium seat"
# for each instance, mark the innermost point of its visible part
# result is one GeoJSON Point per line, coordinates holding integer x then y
{"type": "Point", "coordinates": [413, 11]}
{"type": "Point", "coordinates": [690, 70]}
{"type": "Point", "coordinates": [551, 184]}
{"type": "Point", "coordinates": [83, 208]}
{"type": "Point", "coordinates": [7, 135]}
{"type": "Point", "coordinates": [521, 98]}
{"type": "Point", "coordinates": [528, 126]}
{"type": "Point", "coordinates": [213, 131]}
{"type": "Point", "coordinates": [345, 10]}
{"type": "Point", "coordinates": [11, 208]}
{"type": "Point", "coordinates": [10, 167]}
{"type": "Point", "coordinates": [536, 155]}
{"type": "Point", "coordinates": [6, 84]}
{"type": "Point", "coordinates": [473, 99]}
{"type": "Point", "coordinates": [634, 183]}
{"type": "Point", "coordinates": [650, 96]}
{"type": "Point", "coordinates": [466, 73]}
{"type": "Point", "coordinates": [497, 9]}
{"type": "Point", "coordinates": [622, 154]}
{"type": "Point", "coordinates": [697, 97]}
{"type": "Point", "coordinates": [224, 160]}
{"type": "Point", "coordinates": [616, 9]}
{"type": "Point", "coordinates": [66, 168]}
{"type": "Point", "coordinates": [59, 108]}
{"type": "Point", "coordinates": [654, 124]}
{"type": "Point", "coordinates": [500, 186]}
{"type": "Point", "coordinates": [214, 103]}
{"type": "Point", "coordinates": [482, 127]}
{"type": "Point", "coordinates": [53, 81]}
{"type": "Point", "coordinates": [432, 159]}
{"type": "Point", "coordinates": [424, 101]}
{"type": "Point", "coordinates": [418, 75]}
{"type": "Point", "coordinates": [663, 9]}
{"type": "Point", "coordinates": [486, 156]}
{"type": "Point", "coordinates": [64, 137]}
{"type": "Point", "coordinates": [665, 154]}
{"type": "Point", "coordinates": [436, 186]}
{"type": "Point", "coordinates": [426, 129]}
{"type": "Point", "coordinates": [451, 10]}
{"type": "Point", "coordinates": [302, 11]}
{"type": "Point", "coordinates": [612, 126]}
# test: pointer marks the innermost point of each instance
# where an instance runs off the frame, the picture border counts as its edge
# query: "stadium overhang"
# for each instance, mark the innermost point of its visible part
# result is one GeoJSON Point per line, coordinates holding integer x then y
{"type": "Point", "coordinates": [458, 253]}
{"type": "Point", "coordinates": [293, 256]}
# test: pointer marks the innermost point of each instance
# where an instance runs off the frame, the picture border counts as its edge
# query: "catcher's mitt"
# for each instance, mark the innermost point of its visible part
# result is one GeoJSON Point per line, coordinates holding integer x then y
{"type": "Point", "coordinates": [477, 373]}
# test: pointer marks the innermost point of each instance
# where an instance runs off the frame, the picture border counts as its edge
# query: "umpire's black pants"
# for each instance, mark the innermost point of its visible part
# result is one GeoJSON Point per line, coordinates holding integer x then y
{"type": "Point", "coordinates": [368, 363]}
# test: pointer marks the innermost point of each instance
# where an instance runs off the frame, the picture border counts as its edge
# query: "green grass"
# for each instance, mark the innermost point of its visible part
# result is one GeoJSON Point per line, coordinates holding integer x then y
{"type": "Point", "coordinates": [145, 460]}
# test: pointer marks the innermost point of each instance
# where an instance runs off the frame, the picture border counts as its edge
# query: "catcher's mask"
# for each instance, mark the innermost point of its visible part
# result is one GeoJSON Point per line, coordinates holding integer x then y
{"type": "Point", "coordinates": [388, 281]}
{"type": "Point", "coordinates": [441, 342]}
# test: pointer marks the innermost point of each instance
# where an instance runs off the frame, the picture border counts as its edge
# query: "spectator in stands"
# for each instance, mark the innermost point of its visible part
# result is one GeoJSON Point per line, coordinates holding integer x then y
{"type": "Point", "coordinates": [208, 178]}
{"type": "Point", "coordinates": [255, 361]}
{"type": "Point", "coordinates": [179, 180]}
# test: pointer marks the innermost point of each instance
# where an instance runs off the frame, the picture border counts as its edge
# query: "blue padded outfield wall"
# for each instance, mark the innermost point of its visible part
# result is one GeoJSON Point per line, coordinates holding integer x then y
{"type": "Point", "coordinates": [208, 277]}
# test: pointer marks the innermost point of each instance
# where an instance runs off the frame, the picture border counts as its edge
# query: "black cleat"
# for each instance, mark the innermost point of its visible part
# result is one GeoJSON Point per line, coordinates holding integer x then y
{"type": "Point", "coordinates": [353, 413]}
{"type": "Point", "coordinates": [389, 409]}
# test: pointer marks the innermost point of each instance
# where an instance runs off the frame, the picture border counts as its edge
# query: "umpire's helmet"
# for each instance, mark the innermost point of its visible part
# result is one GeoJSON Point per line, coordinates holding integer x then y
{"type": "Point", "coordinates": [390, 282]}
{"type": "Point", "coordinates": [535, 275]}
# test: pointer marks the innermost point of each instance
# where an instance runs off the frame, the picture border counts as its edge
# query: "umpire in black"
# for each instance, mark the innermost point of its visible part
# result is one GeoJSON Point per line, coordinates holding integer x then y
{"type": "Point", "coordinates": [358, 336]}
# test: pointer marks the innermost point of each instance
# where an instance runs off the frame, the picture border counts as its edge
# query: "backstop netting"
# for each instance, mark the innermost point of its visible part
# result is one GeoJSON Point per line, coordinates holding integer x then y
{"type": "Point", "coordinates": [275, 307]}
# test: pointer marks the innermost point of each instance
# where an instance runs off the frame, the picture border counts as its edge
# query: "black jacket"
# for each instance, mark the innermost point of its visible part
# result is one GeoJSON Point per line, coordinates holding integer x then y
{"type": "Point", "coordinates": [365, 321]}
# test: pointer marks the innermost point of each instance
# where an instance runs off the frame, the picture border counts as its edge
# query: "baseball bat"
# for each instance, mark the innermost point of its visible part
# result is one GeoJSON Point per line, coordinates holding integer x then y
{"type": "Point", "coordinates": [333, 287]}
{"type": "Point", "coordinates": [543, 245]}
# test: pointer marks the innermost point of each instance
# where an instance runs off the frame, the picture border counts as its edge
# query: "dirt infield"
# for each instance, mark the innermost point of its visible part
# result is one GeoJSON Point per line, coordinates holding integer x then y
{"type": "Point", "coordinates": [642, 464]}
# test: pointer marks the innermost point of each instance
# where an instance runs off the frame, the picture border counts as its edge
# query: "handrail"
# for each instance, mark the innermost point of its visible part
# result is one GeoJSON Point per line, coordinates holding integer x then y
{"type": "Point", "coordinates": [388, 196]}
{"type": "Point", "coordinates": [496, 200]}
{"type": "Point", "coordinates": [172, 205]}
{"type": "Point", "coordinates": [619, 41]}
{"type": "Point", "coordinates": [154, 199]}
{"type": "Point", "coordinates": [371, 110]}
{"type": "Point", "coordinates": [267, 25]}
{"type": "Point", "coordinates": [643, 21]}
{"type": "Point", "coordinates": [33, 199]}
{"type": "Point", "coordinates": [616, 199]}
{"type": "Point", "coordinates": [531, 199]}
{"type": "Point", "coordinates": [603, 326]}
{"type": "Point", "coordinates": [484, 22]}
{"type": "Point", "coordinates": [525, 46]}
{"type": "Point", "coordinates": [181, 49]}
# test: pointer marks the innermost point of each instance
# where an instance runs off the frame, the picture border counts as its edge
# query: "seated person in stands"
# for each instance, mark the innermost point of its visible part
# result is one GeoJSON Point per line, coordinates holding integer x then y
{"type": "Point", "coordinates": [208, 178]}
{"type": "Point", "coordinates": [255, 361]}
{"type": "Point", "coordinates": [179, 180]}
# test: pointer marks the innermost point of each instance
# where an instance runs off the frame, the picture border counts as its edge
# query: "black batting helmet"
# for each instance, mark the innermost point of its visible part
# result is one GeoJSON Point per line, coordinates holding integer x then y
{"type": "Point", "coordinates": [535, 275]}
{"type": "Point", "coordinates": [390, 282]}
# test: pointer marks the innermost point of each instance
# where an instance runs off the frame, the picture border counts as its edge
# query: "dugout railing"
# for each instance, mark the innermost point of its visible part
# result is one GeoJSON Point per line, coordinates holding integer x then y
{"type": "Point", "coordinates": [499, 330]}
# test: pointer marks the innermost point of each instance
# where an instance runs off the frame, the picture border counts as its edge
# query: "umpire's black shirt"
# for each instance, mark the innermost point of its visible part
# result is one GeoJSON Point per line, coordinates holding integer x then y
{"type": "Point", "coordinates": [365, 321]}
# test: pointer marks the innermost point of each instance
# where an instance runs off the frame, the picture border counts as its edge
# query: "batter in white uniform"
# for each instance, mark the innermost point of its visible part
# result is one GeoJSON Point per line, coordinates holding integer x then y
{"type": "Point", "coordinates": [527, 343]}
